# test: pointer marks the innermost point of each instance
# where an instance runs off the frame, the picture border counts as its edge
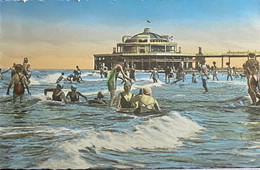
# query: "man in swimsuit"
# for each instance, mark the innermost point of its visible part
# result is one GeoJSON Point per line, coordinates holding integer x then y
{"type": "Point", "coordinates": [146, 100]}
{"type": "Point", "coordinates": [179, 74]}
{"type": "Point", "coordinates": [214, 71]}
{"type": "Point", "coordinates": [251, 68]}
{"type": "Point", "coordinates": [229, 71]}
{"type": "Point", "coordinates": [79, 73]}
{"type": "Point", "coordinates": [154, 75]}
{"type": "Point", "coordinates": [58, 94]}
{"type": "Point", "coordinates": [193, 79]}
{"type": "Point", "coordinates": [204, 75]}
{"type": "Point", "coordinates": [167, 74]}
{"type": "Point", "coordinates": [124, 98]}
{"type": "Point", "coordinates": [19, 81]}
{"type": "Point", "coordinates": [111, 81]}
{"type": "Point", "coordinates": [74, 95]}
{"type": "Point", "coordinates": [105, 71]}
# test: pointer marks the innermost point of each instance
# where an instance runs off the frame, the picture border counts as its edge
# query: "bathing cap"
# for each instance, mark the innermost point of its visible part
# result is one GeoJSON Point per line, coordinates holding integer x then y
{"type": "Point", "coordinates": [128, 84]}
{"type": "Point", "coordinates": [74, 86]}
{"type": "Point", "coordinates": [147, 90]}
{"type": "Point", "coordinates": [100, 94]}
{"type": "Point", "coordinates": [18, 68]}
{"type": "Point", "coordinates": [61, 84]}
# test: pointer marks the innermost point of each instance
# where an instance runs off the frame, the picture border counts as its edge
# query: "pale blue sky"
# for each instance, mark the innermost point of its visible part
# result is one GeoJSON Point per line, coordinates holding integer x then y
{"type": "Point", "coordinates": [95, 26]}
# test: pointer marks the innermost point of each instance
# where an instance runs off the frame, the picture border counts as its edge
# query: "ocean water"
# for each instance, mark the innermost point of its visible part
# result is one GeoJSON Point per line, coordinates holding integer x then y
{"type": "Point", "coordinates": [218, 129]}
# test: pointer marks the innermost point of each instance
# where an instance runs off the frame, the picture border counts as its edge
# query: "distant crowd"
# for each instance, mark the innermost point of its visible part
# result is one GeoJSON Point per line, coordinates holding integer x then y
{"type": "Point", "coordinates": [126, 101]}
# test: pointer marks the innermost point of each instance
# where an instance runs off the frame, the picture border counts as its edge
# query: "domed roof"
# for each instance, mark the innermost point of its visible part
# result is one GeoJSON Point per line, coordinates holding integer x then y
{"type": "Point", "coordinates": [146, 32]}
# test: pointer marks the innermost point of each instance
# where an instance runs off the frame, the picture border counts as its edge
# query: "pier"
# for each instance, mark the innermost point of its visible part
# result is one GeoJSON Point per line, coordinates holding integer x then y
{"type": "Point", "coordinates": [147, 50]}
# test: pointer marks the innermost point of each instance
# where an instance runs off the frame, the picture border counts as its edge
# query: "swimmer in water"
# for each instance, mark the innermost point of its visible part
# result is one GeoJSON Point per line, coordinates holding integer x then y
{"type": "Point", "coordinates": [214, 71]}
{"type": "Point", "coordinates": [204, 75]}
{"type": "Point", "coordinates": [145, 100]}
{"type": "Point", "coordinates": [99, 99]}
{"type": "Point", "coordinates": [58, 94]}
{"type": "Point", "coordinates": [74, 95]}
{"type": "Point", "coordinates": [154, 75]}
{"type": "Point", "coordinates": [124, 98]}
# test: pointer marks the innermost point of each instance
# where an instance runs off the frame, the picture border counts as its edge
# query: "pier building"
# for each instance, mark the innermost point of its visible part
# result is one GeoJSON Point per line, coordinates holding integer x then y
{"type": "Point", "coordinates": [147, 50]}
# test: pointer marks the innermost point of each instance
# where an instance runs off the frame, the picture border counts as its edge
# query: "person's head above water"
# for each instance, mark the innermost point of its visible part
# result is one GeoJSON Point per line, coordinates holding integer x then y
{"type": "Point", "coordinates": [127, 86]}
{"type": "Point", "coordinates": [60, 85]}
{"type": "Point", "coordinates": [251, 55]}
{"type": "Point", "coordinates": [18, 68]}
{"type": "Point", "coordinates": [73, 87]}
{"type": "Point", "coordinates": [25, 60]}
{"type": "Point", "coordinates": [100, 95]}
{"type": "Point", "coordinates": [147, 90]}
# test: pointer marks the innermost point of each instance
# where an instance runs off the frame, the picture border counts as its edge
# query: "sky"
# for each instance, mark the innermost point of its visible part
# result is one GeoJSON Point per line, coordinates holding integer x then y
{"type": "Point", "coordinates": [60, 34]}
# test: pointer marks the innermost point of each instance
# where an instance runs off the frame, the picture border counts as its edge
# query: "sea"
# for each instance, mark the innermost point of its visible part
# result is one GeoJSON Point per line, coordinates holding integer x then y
{"type": "Point", "coordinates": [218, 129]}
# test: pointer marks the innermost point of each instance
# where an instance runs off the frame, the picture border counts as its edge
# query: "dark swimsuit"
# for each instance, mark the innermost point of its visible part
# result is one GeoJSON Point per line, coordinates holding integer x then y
{"type": "Point", "coordinates": [56, 97]}
{"type": "Point", "coordinates": [74, 98]}
{"type": "Point", "coordinates": [124, 103]}
{"type": "Point", "coordinates": [19, 87]}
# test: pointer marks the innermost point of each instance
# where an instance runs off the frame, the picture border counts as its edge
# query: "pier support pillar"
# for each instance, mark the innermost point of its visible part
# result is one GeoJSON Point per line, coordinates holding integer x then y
{"type": "Point", "coordinates": [149, 63]}
{"type": "Point", "coordinates": [222, 62]}
{"type": "Point", "coordinates": [142, 64]}
{"type": "Point", "coordinates": [156, 62]}
{"type": "Point", "coordinates": [164, 62]}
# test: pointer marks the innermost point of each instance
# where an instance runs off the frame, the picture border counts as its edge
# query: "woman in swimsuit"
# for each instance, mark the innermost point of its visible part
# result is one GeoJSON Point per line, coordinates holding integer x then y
{"type": "Point", "coordinates": [146, 100]}
{"type": "Point", "coordinates": [111, 81]}
{"type": "Point", "coordinates": [74, 95]}
{"type": "Point", "coordinates": [58, 94]}
{"type": "Point", "coordinates": [124, 98]}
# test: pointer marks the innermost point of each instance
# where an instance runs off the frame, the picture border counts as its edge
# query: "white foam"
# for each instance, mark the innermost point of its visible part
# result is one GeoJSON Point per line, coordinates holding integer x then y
{"type": "Point", "coordinates": [73, 160]}
{"type": "Point", "coordinates": [85, 79]}
{"type": "Point", "coordinates": [51, 78]}
{"type": "Point", "coordinates": [231, 82]}
{"type": "Point", "coordinates": [145, 79]}
{"type": "Point", "coordinates": [34, 81]}
{"type": "Point", "coordinates": [41, 96]}
{"type": "Point", "coordinates": [157, 133]}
